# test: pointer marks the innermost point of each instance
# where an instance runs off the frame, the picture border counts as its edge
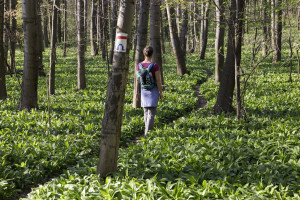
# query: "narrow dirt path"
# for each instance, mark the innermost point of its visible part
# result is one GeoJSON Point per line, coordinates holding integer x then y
{"type": "Point", "coordinates": [201, 100]}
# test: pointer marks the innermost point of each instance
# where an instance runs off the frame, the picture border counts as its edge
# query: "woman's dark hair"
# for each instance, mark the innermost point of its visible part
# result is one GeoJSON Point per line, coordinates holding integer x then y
{"type": "Point", "coordinates": [148, 51]}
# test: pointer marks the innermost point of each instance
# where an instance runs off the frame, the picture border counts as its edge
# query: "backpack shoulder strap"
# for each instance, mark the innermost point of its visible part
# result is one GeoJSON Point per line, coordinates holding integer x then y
{"type": "Point", "coordinates": [150, 66]}
{"type": "Point", "coordinates": [140, 66]}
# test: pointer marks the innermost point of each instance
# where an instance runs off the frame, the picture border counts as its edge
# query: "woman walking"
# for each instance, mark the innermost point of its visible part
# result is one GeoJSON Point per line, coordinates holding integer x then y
{"type": "Point", "coordinates": [151, 90]}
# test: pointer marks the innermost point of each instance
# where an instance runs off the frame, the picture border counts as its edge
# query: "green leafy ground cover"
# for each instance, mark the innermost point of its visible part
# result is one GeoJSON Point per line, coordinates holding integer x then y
{"type": "Point", "coordinates": [28, 156]}
{"type": "Point", "coordinates": [205, 156]}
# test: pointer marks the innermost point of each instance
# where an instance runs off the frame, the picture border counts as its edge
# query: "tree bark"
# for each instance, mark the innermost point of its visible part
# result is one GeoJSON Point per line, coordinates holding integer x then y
{"type": "Point", "coordinates": [13, 37]}
{"type": "Point", "coordinates": [240, 5]}
{"type": "Point", "coordinates": [155, 34]}
{"type": "Point", "coordinates": [65, 28]}
{"type": "Point", "coordinates": [112, 119]}
{"type": "Point", "coordinates": [104, 32]}
{"type": "Point", "coordinates": [162, 36]}
{"type": "Point", "coordinates": [180, 61]}
{"type": "Point", "coordinates": [225, 93]}
{"type": "Point", "coordinates": [53, 47]}
{"type": "Point", "coordinates": [113, 24]}
{"type": "Point", "coordinates": [81, 81]}
{"type": "Point", "coordinates": [184, 30]}
{"type": "Point", "coordinates": [6, 30]}
{"type": "Point", "coordinates": [59, 35]}
{"type": "Point", "coordinates": [40, 46]}
{"type": "Point", "coordinates": [204, 30]}
{"type": "Point", "coordinates": [266, 21]}
{"type": "Point", "coordinates": [141, 44]}
{"type": "Point", "coordinates": [196, 21]}
{"type": "Point", "coordinates": [85, 13]}
{"type": "Point", "coordinates": [3, 93]}
{"type": "Point", "coordinates": [93, 29]}
{"type": "Point", "coordinates": [219, 42]}
{"type": "Point", "coordinates": [46, 23]}
{"type": "Point", "coordinates": [30, 71]}
{"type": "Point", "coordinates": [276, 29]}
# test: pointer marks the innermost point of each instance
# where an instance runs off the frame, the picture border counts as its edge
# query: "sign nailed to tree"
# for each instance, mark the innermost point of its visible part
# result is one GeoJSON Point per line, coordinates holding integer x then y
{"type": "Point", "coordinates": [121, 42]}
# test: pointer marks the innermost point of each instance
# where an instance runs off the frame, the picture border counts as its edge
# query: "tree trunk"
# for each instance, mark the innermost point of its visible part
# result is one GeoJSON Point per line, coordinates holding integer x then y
{"type": "Point", "coordinates": [112, 119]}
{"type": "Point", "coordinates": [137, 8]}
{"type": "Point", "coordinates": [30, 71]}
{"type": "Point", "coordinates": [240, 5]}
{"type": "Point", "coordinates": [225, 93]}
{"type": "Point", "coordinates": [65, 28]}
{"type": "Point", "coordinates": [219, 43]}
{"type": "Point", "coordinates": [6, 30]}
{"type": "Point", "coordinates": [180, 61]}
{"type": "Point", "coordinates": [81, 81]}
{"type": "Point", "coordinates": [204, 30]}
{"type": "Point", "coordinates": [298, 11]}
{"type": "Point", "coordinates": [113, 23]}
{"type": "Point", "coordinates": [59, 35]}
{"type": "Point", "coordinates": [40, 46]}
{"type": "Point", "coordinates": [46, 23]}
{"type": "Point", "coordinates": [53, 47]}
{"type": "Point", "coordinates": [141, 44]}
{"type": "Point", "coordinates": [104, 32]}
{"type": "Point", "coordinates": [196, 21]}
{"type": "Point", "coordinates": [276, 29]}
{"type": "Point", "coordinates": [155, 34]}
{"type": "Point", "coordinates": [85, 13]}
{"type": "Point", "coordinates": [184, 30]}
{"type": "Point", "coordinates": [93, 29]}
{"type": "Point", "coordinates": [162, 36]}
{"type": "Point", "coordinates": [13, 36]}
{"type": "Point", "coordinates": [178, 16]}
{"type": "Point", "coordinates": [3, 93]}
{"type": "Point", "coordinates": [266, 21]}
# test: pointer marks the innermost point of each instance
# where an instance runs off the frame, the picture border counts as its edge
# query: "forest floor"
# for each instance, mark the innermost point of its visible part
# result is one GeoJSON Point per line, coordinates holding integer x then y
{"type": "Point", "coordinates": [192, 153]}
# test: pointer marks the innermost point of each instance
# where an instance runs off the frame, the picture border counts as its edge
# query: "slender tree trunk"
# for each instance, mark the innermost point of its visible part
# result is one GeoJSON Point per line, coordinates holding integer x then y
{"type": "Point", "coordinates": [155, 34]}
{"type": "Point", "coordinates": [298, 11]}
{"type": "Point", "coordinates": [240, 5]}
{"type": "Point", "coordinates": [219, 42]}
{"type": "Point", "coordinates": [137, 8]}
{"type": "Point", "coordinates": [6, 30]}
{"type": "Point", "coordinates": [30, 71]}
{"type": "Point", "coordinates": [113, 24]}
{"type": "Point", "coordinates": [266, 21]}
{"type": "Point", "coordinates": [180, 61]}
{"type": "Point", "coordinates": [184, 30]}
{"type": "Point", "coordinates": [40, 46]}
{"type": "Point", "coordinates": [46, 24]}
{"type": "Point", "coordinates": [81, 81]}
{"type": "Point", "coordinates": [204, 32]}
{"type": "Point", "coordinates": [99, 8]}
{"type": "Point", "coordinates": [13, 37]}
{"type": "Point", "coordinates": [141, 44]}
{"type": "Point", "coordinates": [53, 47]}
{"type": "Point", "coordinates": [3, 93]}
{"type": "Point", "coordinates": [178, 16]}
{"type": "Point", "coordinates": [93, 29]}
{"type": "Point", "coordinates": [276, 29]}
{"type": "Point", "coordinates": [225, 93]}
{"type": "Point", "coordinates": [162, 37]}
{"type": "Point", "coordinates": [196, 21]}
{"type": "Point", "coordinates": [104, 32]}
{"type": "Point", "coordinates": [112, 119]}
{"type": "Point", "coordinates": [65, 27]}
{"type": "Point", "coordinates": [85, 13]}
{"type": "Point", "coordinates": [59, 35]}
